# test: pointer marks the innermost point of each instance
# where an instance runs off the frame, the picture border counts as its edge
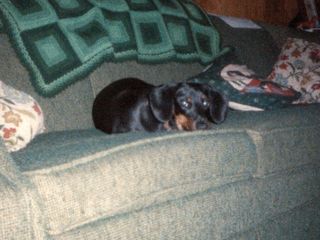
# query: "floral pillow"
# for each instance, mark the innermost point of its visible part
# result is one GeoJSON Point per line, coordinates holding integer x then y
{"type": "Point", "coordinates": [298, 67]}
{"type": "Point", "coordinates": [21, 118]}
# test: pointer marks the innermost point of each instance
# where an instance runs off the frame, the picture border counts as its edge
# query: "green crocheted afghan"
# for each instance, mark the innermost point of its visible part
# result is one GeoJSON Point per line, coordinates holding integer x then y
{"type": "Point", "coordinates": [62, 41]}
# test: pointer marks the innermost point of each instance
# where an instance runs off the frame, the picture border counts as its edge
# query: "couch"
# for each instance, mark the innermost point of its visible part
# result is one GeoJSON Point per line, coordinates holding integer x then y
{"type": "Point", "coordinates": [256, 176]}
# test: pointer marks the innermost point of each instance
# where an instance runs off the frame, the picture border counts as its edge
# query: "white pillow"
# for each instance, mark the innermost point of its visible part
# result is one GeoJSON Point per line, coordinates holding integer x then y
{"type": "Point", "coordinates": [21, 118]}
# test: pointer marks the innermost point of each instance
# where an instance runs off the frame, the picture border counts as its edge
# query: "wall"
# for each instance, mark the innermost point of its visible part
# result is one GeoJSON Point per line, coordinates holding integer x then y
{"type": "Point", "coordinates": [270, 11]}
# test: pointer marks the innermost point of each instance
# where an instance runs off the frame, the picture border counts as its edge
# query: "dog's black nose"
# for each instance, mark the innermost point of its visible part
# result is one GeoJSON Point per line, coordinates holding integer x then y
{"type": "Point", "coordinates": [201, 125]}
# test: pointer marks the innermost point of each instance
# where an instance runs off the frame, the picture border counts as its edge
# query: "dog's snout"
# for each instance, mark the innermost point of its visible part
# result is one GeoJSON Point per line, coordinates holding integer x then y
{"type": "Point", "coordinates": [202, 125]}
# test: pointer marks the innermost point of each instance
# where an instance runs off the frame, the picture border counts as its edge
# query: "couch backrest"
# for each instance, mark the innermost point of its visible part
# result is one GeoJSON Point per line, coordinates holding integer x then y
{"type": "Point", "coordinates": [71, 108]}
{"type": "Point", "coordinates": [68, 110]}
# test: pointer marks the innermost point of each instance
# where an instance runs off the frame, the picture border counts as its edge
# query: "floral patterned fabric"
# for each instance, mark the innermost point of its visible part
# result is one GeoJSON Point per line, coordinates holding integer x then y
{"type": "Point", "coordinates": [245, 90]}
{"type": "Point", "coordinates": [254, 93]}
{"type": "Point", "coordinates": [21, 118]}
{"type": "Point", "coordinates": [298, 67]}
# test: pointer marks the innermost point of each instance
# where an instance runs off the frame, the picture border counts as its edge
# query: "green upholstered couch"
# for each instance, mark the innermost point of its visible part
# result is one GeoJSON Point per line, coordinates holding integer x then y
{"type": "Point", "coordinates": [256, 176]}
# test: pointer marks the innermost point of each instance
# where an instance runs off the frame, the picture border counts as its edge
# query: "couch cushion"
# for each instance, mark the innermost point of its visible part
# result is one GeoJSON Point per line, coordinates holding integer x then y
{"type": "Point", "coordinates": [154, 74]}
{"type": "Point", "coordinates": [255, 47]}
{"type": "Point", "coordinates": [232, 211]}
{"type": "Point", "coordinates": [285, 138]}
{"type": "Point", "coordinates": [68, 110]}
{"type": "Point", "coordinates": [82, 176]}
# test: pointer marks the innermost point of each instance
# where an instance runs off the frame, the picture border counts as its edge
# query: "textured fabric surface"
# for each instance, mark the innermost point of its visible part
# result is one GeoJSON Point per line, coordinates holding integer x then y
{"type": "Point", "coordinates": [253, 167]}
{"type": "Point", "coordinates": [298, 67]}
{"type": "Point", "coordinates": [284, 138]}
{"type": "Point", "coordinates": [8, 167]}
{"type": "Point", "coordinates": [280, 34]}
{"type": "Point", "coordinates": [61, 42]}
{"type": "Point", "coordinates": [20, 213]}
{"type": "Point", "coordinates": [245, 81]}
{"type": "Point", "coordinates": [153, 74]}
{"type": "Point", "coordinates": [256, 48]}
{"type": "Point", "coordinates": [218, 213]}
{"type": "Point", "coordinates": [243, 88]}
{"type": "Point", "coordinates": [300, 223]}
{"type": "Point", "coordinates": [254, 177]}
{"type": "Point", "coordinates": [15, 212]}
{"type": "Point", "coordinates": [21, 217]}
{"type": "Point", "coordinates": [131, 171]}
{"type": "Point", "coordinates": [71, 109]}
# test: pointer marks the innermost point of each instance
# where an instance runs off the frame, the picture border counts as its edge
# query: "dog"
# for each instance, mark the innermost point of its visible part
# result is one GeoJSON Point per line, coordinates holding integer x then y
{"type": "Point", "coordinates": [131, 104]}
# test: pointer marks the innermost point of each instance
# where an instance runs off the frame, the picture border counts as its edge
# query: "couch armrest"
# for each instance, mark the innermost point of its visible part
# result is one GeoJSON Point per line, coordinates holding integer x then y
{"type": "Point", "coordinates": [8, 168]}
{"type": "Point", "coordinates": [20, 216]}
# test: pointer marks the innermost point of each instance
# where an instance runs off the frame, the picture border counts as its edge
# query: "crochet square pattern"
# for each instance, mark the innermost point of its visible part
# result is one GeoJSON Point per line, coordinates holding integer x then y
{"type": "Point", "coordinates": [62, 41]}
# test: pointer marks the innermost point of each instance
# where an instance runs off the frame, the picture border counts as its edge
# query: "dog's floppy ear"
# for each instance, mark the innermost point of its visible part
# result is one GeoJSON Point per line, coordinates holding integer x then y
{"type": "Point", "coordinates": [161, 102]}
{"type": "Point", "coordinates": [219, 105]}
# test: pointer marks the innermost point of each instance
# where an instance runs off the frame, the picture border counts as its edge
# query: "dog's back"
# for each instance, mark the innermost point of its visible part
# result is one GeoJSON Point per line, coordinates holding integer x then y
{"type": "Point", "coordinates": [115, 105]}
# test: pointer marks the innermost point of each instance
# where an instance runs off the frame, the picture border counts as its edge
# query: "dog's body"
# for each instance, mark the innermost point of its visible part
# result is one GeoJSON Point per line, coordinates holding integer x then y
{"type": "Point", "coordinates": [133, 105]}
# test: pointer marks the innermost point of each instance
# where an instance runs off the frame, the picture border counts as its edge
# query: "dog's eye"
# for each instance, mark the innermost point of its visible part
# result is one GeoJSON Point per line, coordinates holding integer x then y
{"type": "Point", "coordinates": [186, 104]}
{"type": "Point", "coordinates": [205, 103]}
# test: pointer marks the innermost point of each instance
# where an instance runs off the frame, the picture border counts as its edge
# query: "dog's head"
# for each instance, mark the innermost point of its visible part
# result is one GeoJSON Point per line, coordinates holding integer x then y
{"type": "Point", "coordinates": [190, 106]}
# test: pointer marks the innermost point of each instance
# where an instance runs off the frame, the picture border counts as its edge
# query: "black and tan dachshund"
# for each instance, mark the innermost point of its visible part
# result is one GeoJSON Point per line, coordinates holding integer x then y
{"type": "Point", "coordinates": [133, 105]}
